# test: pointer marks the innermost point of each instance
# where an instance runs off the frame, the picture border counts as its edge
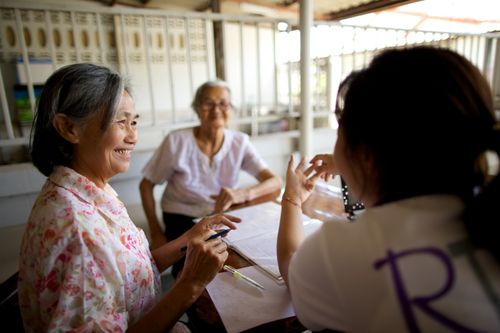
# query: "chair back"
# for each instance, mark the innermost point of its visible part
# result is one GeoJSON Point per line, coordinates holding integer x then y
{"type": "Point", "coordinates": [10, 313]}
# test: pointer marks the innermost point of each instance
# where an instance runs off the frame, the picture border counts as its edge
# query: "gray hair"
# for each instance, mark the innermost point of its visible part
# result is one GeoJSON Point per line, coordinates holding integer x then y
{"type": "Point", "coordinates": [79, 91]}
{"type": "Point", "coordinates": [201, 89]}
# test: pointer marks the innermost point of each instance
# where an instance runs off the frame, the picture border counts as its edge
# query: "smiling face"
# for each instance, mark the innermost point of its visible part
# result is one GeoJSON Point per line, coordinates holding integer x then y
{"type": "Point", "coordinates": [214, 110]}
{"type": "Point", "coordinates": [101, 155]}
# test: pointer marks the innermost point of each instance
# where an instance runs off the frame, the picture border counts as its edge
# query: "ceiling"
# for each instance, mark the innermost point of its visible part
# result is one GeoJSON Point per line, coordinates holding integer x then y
{"type": "Point", "coordinates": [323, 9]}
{"type": "Point", "coordinates": [476, 16]}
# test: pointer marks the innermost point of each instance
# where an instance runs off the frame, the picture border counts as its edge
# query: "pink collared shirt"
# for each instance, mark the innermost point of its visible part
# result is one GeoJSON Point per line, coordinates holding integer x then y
{"type": "Point", "coordinates": [84, 265]}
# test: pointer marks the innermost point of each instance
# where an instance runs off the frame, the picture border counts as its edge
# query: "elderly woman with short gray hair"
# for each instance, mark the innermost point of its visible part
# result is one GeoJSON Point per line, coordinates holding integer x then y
{"type": "Point", "coordinates": [201, 167]}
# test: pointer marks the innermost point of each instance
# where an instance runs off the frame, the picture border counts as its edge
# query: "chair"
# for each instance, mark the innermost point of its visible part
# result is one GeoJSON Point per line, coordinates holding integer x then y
{"type": "Point", "coordinates": [10, 313]}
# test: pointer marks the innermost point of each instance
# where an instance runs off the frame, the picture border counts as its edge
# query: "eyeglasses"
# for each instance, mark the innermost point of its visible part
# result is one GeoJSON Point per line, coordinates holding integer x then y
{"type": "Point", "coordinates": [209, 105]}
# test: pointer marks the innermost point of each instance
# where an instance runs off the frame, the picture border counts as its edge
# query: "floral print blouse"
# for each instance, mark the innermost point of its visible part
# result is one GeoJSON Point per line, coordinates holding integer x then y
{"type": "Point", "coordinates": [84, 266]}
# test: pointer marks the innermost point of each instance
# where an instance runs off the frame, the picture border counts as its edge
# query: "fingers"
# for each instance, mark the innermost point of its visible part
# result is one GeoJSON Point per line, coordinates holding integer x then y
{"type": "Point", "coordinates": [217, 245]}
{"type": "Point", "coordinates": [290, 162]}
{"type": "Point", "coordinates": [300, 166]}
{"type": "Point", "coordinates": [214, 222]}
{"type": "Point", "coordinates": [225, 221]}
{"type": "Point", "coordinates": [204, 259]}
{"type": "Point", "coordinates": [218, 208]}
{"type": "Point", "coordinates": [315, 177]}
{"type": "Point", "coordinates": [224, 199]}
{"type": "Point", "coordinates": [309, 170]}
{"type": "Point", "coordinates": [232, 218]}
{"type": "Point", "coordinates": [318, 158]}
{"type": "Point", "coordinates": [226, 205]}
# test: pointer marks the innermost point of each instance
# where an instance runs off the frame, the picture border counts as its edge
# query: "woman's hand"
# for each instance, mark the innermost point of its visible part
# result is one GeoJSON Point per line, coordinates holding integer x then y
{"type": "Point", "coordinates": [211, 224]}
{"type": "Point", "coordinates": [204, 259]}
{"type": "Point", "coordinates": [299, 183]}
{"type": "Point", "coordinates": [323, 164]}
{"type": "Point", "coordinates": [228, 197]}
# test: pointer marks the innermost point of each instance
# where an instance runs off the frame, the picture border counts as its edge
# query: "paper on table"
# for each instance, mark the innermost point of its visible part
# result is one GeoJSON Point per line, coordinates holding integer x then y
{"type": "Point", "coordinates": [261, 249]}
{"type": "Point", "coordinates": [242, 306]}
{"type": "Point", "coordinates": [257, 234]}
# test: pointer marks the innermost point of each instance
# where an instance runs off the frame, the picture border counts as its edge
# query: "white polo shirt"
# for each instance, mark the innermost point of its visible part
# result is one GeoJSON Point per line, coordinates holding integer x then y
{"type": "Point", "coordinates": [401, 267]}
{"type": "Point", "coordinates": [191, 179]}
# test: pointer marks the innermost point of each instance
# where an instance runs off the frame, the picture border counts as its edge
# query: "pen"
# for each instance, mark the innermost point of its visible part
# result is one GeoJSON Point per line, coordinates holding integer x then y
{"type": "Point", "coordinates": [245, 278]}
{"type": "Point", "coordinates": [219, 234]}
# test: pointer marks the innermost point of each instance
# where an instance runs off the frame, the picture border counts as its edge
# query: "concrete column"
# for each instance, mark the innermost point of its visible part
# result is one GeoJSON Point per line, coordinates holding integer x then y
{"type": "Point", "coordinates": [306, 121]}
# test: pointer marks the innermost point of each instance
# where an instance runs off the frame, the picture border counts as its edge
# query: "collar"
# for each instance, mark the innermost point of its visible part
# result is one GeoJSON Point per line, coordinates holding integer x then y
{"type": "Point", "coordinates": [81, 186]}
{"type": "Point", "coordinates": [426, 207]}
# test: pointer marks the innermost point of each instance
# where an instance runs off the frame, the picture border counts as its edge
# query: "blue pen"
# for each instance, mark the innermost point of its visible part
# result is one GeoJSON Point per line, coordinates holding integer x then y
{"type": "Point", "coordinates": [219, 234]}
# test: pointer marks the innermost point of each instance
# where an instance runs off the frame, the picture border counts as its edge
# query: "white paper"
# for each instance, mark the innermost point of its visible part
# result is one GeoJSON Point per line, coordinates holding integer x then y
{"type": "Point", "coordinates": [256, 220]}
{"type": "Point", "coordinates": [242, 306]}
{"type": "Point", "coordinates": [257, 235]}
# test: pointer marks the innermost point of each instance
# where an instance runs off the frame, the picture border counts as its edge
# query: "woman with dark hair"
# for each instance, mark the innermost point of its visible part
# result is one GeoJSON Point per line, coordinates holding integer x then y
{"type": "Point", "coordinates": [201, 166]}
{"type": "Point", "coordinates": [84, 265]}
{"type": "Point", "coordinates": [414, 129]}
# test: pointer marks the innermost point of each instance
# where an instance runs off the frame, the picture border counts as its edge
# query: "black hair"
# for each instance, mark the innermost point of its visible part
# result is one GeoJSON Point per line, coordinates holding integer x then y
{"type": "Point", "coordinates": [425, 116]}
{"type": "Point", "coordinates": [79, 91]}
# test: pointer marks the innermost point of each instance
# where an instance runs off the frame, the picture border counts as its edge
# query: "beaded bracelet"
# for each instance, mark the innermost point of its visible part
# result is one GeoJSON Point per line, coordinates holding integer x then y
{"type": "Point", "coordinates": [291, 201]}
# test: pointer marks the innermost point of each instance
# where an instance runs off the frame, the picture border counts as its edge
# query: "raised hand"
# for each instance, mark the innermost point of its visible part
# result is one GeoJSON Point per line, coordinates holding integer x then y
{"type": "Point", "coordinates": [323, 164]}
{"type": "Point", "coordinates": [300, 183]}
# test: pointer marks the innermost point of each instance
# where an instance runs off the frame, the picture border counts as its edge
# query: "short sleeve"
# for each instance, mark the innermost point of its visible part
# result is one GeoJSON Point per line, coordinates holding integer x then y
{"type": "Point", "coordinates": [160, 167]}
{"type": "Point", "coordinates": [252, 162]}
{"type": "Point", "coordinates": [312, 288]}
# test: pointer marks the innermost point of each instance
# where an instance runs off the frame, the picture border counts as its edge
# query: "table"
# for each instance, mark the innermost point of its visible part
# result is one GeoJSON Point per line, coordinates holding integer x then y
{"type": "Point", "coordinates": [203, 315]}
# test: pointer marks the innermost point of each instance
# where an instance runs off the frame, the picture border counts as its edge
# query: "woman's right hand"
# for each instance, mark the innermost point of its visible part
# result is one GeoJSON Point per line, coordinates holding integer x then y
{"type": "Point", "coordinates": [204, 259]}
{"type": "Point", "coordinates": [323, 164]}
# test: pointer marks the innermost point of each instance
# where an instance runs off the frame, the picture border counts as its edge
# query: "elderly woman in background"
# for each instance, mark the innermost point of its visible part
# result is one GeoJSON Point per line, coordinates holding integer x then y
{"type": "Point", "coordinates": [201, 167]}
{"type": "Point", "coordinates": [84, 265]}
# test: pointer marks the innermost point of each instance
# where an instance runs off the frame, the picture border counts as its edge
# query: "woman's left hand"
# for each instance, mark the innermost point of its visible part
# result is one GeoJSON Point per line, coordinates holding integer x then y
{"type": "Point", "coordinates": [228, 197]}
{"type": "Point", "coordinates": [299, 182]}
{"type": "Point", "coordinates": [214, 222]}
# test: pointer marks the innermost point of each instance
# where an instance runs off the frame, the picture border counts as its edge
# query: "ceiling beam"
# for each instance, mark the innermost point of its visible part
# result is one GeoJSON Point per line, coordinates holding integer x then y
{"type": "Point", "coordinates": [205, 6]}
{"type": "Point", "coordinates": [110, 3]}
{"type": "Point", "coordinates": [366, 8]}
{"type": "Point", "coordinates": [287, 3]}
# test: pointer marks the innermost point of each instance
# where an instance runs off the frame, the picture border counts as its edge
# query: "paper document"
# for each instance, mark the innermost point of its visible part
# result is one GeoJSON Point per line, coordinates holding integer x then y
{"type": "Point", "coordinates": [242, 306]}
{"type": "Point", "coordinates": [257, 234]}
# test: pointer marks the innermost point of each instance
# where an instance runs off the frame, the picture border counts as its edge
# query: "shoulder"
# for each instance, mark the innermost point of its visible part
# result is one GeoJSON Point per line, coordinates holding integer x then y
{"type": "Point", "coordinates": [236, 137]}
{"type": "Point", "coordinates": [59, 209]}
{"type": "Point", "coordinates": [179, 136]}
{"type": "Point", "coordinates": [54, 226]}
{"type": "Point", "coordinates": [182, 132]}
{"type": "Point", "coordinates": [177, 139]}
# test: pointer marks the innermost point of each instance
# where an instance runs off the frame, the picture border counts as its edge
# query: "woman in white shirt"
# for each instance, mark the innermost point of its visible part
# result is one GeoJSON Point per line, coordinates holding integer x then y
{"type": "Point", "coordinates": [414, 128]}
{"type": "Point", "coordinates": [201, 167]}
